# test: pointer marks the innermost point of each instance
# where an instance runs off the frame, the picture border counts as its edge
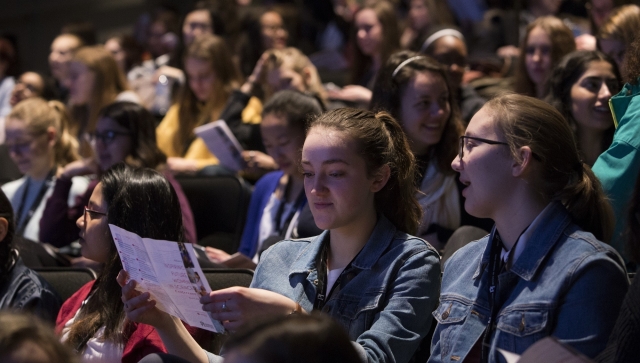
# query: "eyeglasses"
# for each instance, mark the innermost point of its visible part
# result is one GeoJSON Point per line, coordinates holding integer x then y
{"type": "Point", "coordinates": [106, 137]}
{"type": "Point", "coordinates": [22, 147]}
{"type": "Point", "coordinates": [92, 213]}
{"type": "Point", "coordinates": [486, 141]}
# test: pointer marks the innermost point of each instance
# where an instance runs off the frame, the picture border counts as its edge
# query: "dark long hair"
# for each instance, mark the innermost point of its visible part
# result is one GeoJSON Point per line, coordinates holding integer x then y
{"type": "Point", "coordinates": [141, 126]}
{"type": "Point", "coordinates": [566, 74]}
{"type": "Point", "coordinates": [297, 107]}
{"type": "Point", "coordinates": [381, 141]}
{"type": "Point", "coordinates": [387, 96]}
{"type": "Point", "coordinates": [141, 201]}
{"type": "Point", "coordinates": [6, 212]}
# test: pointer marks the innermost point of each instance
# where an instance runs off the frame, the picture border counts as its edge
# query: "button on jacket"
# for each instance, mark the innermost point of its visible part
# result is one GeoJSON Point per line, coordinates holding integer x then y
{"type": "Point", "coordinates": [565, 284]}
{"type": "Point", "coordinates": [387, 295]}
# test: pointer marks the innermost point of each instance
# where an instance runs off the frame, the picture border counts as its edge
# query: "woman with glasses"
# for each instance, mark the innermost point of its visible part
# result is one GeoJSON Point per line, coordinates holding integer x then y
{"type": "Point", "coordinates": [415, 90]}
{"type": "Point", "coordinates": [543, 271]}
{"type": "Point", "coordinates": [39, 143]}
{"type": "Point", "coordinates": [125, 131]}
{"type": "Point", "coordinates": [92, 321]}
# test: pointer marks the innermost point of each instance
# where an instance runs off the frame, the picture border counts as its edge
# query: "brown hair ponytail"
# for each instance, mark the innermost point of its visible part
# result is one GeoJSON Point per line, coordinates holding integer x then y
{"type": "Point", "coordinates": [381, 141]}
{"type": "Point", "coordinates": [66, 149]}
{"type": "Point", "coordinates": [562, 176]}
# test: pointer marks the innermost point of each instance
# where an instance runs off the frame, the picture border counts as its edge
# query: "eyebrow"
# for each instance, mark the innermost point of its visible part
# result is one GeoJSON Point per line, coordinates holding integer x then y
{"type": "Point", "coordinates": [327, 162]}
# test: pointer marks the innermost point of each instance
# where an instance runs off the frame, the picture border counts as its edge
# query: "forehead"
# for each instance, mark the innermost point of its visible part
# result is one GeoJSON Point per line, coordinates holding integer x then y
{"type": "Point", "coordinates": [449, 43]}
{"type": "Point", "coordinates": [65, 42]}
{"type": "Point", "coordinates": [366, 17]}
{"type": "Point", "coordinates": [598, 69]}
{"type": "Point", "coordinates": [197, 16]}
{"type": "Point", "coordinates": [196, 65]}
{"type": "Point", "coordinates": [31, 78]}
{"type": "Point", "coordinates": [270, 18]}
{"type": "Point", "coordinates": [324, 144]}
{"type": "Point", "coordinates": [427, 82]}
{"type": "Point", "coordinates": [538, 35]}
{"type": "Point", "coordinates": [483, 125]}
{"type": "Point", "coordinates": [107, 123]}
{"type": "Point", "coordinates": [14, 124]}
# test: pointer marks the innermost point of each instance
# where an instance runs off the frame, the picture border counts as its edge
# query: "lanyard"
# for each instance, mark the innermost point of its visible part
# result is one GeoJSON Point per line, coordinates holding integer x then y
{"type": "Point", "coordinates": [22, 222]}
{"type": "Point", "coordinates": [495, 268]}
{"type": "Point", "coordinates": [321, 267]}
{"type": "Point", "coordinates": [278, 223]}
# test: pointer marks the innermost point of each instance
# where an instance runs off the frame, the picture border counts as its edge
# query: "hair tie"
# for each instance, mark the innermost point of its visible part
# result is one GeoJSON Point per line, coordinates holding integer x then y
{"type": "Point", "coordinates": [439, 34]}
{"type": "Point", "coordinates": [399, 67]}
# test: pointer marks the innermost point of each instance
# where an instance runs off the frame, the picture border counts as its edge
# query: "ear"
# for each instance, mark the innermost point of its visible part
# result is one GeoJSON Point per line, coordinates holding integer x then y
{"type": "Point", "coordinates": [520, 168]}
{"type": "Point", "coordinates": [51, 136]}
{"type": "Point", "coordinates": [380, 178]}
{"type": "Point", "coordinates": [4, 228]}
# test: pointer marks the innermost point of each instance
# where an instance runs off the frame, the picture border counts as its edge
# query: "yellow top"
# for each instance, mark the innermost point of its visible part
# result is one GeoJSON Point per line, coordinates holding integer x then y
{"type": "Point", "coordinates": [168, 129]}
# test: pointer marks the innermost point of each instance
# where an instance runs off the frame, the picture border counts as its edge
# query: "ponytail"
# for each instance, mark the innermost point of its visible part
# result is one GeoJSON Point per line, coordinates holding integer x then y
{"type": "Point", "coordinates": [561, 175]}
{"type": "Point", "coordinates": [381, 141]}
{"type": "Point", "coordinates": [66, 149]}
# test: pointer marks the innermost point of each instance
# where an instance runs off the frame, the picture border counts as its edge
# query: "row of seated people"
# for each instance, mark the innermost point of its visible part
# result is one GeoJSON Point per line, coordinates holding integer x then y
{"type": "Point", "coordinates": [520, 167]}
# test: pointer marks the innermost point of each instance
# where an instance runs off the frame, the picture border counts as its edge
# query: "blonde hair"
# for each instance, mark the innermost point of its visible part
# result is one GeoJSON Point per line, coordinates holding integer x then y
{"type": "Point", "coordinates": [294, 59]}
{"type": "Point", "coordinates": [109, 82]}
{"type": "Point", "coordinates": [38, 116]}
{"type": "Point", "coordinates": [192, 113]}
{"type": "Point", "coordinates": [527, 121]}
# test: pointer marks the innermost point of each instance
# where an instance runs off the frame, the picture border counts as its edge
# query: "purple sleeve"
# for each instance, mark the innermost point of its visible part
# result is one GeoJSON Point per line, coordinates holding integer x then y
{"type": "Point", "coordinates": [58, 222]}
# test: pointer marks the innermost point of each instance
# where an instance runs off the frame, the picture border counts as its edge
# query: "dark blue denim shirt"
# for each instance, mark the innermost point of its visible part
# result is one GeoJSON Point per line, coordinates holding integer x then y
{"type": "Point", "coordinates": [566, 284]}
{"type": "Point", "coordinates": [386, 302]}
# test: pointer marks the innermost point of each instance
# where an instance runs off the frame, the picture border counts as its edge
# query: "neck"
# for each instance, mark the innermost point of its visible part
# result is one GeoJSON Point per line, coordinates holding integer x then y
{"type": "Point", "coordinates": [41, 174]}
{"type": "Point", "coordinates": [510, 222]}
{"type": "Point", "coordinates": [346, 242]}
{"type": "Point", "coordinates": [590, 142]}
{"type": "Point", "coordinates": [539, 91]}
{"type": "Point", "coordinates": [376, 62]}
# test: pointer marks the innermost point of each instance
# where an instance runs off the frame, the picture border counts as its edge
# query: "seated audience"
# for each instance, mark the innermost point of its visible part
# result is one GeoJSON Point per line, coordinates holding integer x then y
{"type": "Point", "coordinates": [262, 33]}
{"type": "Point", "coordinates": [278, 197]}
{"type": "Point", "coordinates": [365, 270]}
{"type": "Point", "coordinates": [8, 71]}
{"type": "Point", "coordinates": [414, 89]}
{"type": "Point", "coordinates": [543, 269]}
{"type": "Point", "coordinates": [211, 78]}
{"type": "Point", "coordinates": [92, 321]}
{"type": "Point", "coordinates": [20, 287]}
{"type": "Point", "coordinates": [125, 132]}
{"type": "Point", "coordinates": [126, 51]}
{"type": "Point", "coordinates": [26, 339]}
{"type": "Point", "coordinates": [39, 143]}
{"type": "Point", "coordinates": [547, 40]}
{"type": "Point", "coordinates": [63, 48]}
{"type": "Point", "coordinates": [580, 87]}
{"type": "Point", "coordinates": [422, 16]}
{"type": "Point", "coordinates": [32, 84]}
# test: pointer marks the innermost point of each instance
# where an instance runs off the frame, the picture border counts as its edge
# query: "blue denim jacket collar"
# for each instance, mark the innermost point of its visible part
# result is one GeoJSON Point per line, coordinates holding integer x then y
{"type": "Point", "coordinates": [378, 242]}
{"type": "Point", "coordinates": [541, 242]}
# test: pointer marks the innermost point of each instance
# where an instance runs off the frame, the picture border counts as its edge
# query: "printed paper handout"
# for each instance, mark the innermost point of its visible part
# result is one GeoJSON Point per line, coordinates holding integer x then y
{"type": "Point", "coordinates": [170, 272]}
{"type": "Point", "coordinates": [222, 143]}
{"type": "Point", "coordinates": [547, 350]}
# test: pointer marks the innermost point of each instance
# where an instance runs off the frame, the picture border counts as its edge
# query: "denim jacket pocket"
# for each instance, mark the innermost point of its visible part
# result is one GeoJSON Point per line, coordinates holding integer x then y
{"type": "Point", "coordinates": [450, 315]}
{"type": "Point", "coordinates": [357, 312]}
{"type": "Point", "coordinates": [520, 328]}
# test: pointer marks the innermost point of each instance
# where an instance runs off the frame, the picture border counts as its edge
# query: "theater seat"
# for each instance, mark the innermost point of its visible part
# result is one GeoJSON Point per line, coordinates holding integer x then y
{"type": "Point", "coordinates": [219, 205]}
{"type": "Point", "coordinates": [66, 280]}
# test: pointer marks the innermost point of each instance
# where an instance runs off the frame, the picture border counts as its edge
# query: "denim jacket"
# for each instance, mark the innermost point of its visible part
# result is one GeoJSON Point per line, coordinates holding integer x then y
{"type": "Point", "coordinates": [388, 293]}
{"type": "Point", "coordinates": [565, 283]}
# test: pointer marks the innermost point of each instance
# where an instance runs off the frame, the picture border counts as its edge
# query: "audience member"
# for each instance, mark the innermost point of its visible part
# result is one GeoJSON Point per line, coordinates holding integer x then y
{"type": "Point", "coordinates": [125, 132]}
{"type": "Point", "coordinates": [32, 84]}
{"type": "Point", "coordinates": [376, 36]}
{"type": "Point", "coordinates": [618, 167]}
{"type": "Point", "coordinates": [447, 46]}
{"type": "Point", "coordinates": [618, 31]}
{"type": "Point", "coordinates": [26, 339]}
{"type": "Point", "coordinates": [580, 87]}
{"type": "Point", "coordinates": [278, 197]}
{"type": "Point", "coordinates": [63, 48]}
{"type": "Point", "coordinates": [543, 270]}
{"type": "Point", "coordinates": [20, 287]}
{"type": "Point", "coordinates": [263, 32]}
{"type": "Point", "coordinates": [92, 321]}
{"type": "Point", "coordinates": [421, 17]}
{"type": "Point", "coordinates": [365, 271]}
{"type": "Point", "coordinates": [8, 71]}
{"type": "Point", "coordinates": [94, 82]}
{"type": "Point", "coordinates": [39, 143]}
{"type": "Point", "coordinates": [126, 51]}
{"type": "Point", "coordinates": [415, 90]}
{"type": "Point", "coordinates": [211, 78]}
{"type": "Point", "coordinates": [546, 41]}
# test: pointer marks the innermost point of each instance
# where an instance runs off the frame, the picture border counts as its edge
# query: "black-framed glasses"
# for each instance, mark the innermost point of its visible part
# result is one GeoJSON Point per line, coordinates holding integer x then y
{"type": "Point", "coordinates": [92, 213]}
{"type": "Point", "coordinates": [106, 137]}
{"type": "Point", "coordinates": [486, 141]}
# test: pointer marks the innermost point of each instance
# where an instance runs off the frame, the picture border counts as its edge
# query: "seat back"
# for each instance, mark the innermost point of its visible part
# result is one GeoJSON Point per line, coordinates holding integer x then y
{"type": "Point", "coordinates": [219, 205]}
{"type": "Point", "coordinates": [221, 278]}
{"type": "Point", "coordinates": [66, 280]}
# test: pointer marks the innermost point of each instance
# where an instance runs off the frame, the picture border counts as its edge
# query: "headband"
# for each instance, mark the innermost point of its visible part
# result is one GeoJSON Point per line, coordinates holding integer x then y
{"type": "Point", "coordinates": [439, 34]}
{"type": "Point", "coordinates": [399, 67]}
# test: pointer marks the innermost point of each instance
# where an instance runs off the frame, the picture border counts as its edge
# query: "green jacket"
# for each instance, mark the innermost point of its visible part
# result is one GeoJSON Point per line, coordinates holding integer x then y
{"type": "Point", "coordinates": [617, 167]}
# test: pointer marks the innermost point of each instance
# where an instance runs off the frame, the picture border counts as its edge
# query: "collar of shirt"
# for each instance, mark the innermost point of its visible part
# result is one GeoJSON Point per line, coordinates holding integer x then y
{"type": "Point", "coordinates": [510, 259]}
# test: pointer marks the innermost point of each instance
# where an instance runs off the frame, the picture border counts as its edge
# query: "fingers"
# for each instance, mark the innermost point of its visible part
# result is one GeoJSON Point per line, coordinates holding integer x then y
{"type": "Point", "coordinates": [122, 278]}
{"type": "Point", "coordinates": [136, 314]}
{"type": "Point", "coordinates": [129, 291]}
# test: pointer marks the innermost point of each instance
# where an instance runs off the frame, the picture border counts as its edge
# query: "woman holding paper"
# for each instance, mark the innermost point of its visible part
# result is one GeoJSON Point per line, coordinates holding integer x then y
{"type": "Point", "coordinates": [92, 321]}
{"type": "Point", "coordinates": [211, 77]}
{"type": "Point", "coordinates": [365, 270]}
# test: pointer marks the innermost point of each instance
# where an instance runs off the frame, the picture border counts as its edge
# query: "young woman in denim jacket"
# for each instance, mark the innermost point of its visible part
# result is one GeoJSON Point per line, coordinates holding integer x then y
{"type": "Point", "coordinates": [543, 270]}
{"type": "Point", "coordinates": [365, 271]}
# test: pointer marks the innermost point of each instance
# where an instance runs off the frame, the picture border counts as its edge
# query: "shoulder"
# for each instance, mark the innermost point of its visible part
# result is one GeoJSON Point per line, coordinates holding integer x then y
{"type": "Point", "coordinates": [467, 257]}
{"type": "Point", "coordinates": [12, 187]}
{"type": "Point", "coordinates": [72, 304]}
{"type": "Point", "coordinates": [252, 113]}
{"type": "Point", "coordinates": [269, 180]}
{"type": "Point", "coordinates": [579, 248]}
{"type": "Point", "coordinates": [128, 96]}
